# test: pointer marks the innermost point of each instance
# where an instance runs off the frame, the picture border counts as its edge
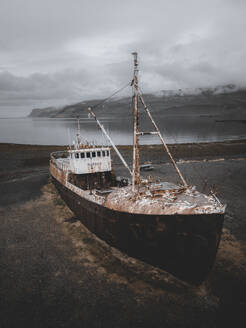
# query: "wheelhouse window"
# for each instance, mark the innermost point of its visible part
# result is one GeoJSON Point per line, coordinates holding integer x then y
{"type": "Point", "coordinates": [98, 154]}
{"type": "Point", "coordinates": [103, 153]}
{"type": "Point", "coordinates": [76, 155]}
{"type": "Point", "coordinates": [93, 154]}
{"type": "Point", "coordinates": [82, 155]}
{"type": "Point", "coordinates": [88, 155]}
{"type": "Point", "coordinates": [107, 153]}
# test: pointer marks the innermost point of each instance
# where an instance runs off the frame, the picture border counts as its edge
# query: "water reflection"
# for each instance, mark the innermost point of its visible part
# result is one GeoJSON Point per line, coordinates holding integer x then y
{"type": "Point", "coordinates": [178, 129]}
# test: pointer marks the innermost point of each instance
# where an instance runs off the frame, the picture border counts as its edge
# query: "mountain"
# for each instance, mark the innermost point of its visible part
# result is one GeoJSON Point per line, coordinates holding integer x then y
{"type": "Point", "coordinates": [44, 112]}
{"type": "Point", "coordinates": [227, 100]}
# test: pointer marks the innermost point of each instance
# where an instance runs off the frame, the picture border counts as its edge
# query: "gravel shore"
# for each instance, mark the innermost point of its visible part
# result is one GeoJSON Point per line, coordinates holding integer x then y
{"type": "Point", "coordinates": [55, 273]}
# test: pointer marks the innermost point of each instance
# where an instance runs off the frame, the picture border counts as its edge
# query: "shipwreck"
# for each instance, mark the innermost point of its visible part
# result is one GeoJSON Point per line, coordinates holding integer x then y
{"type": "Point", "coordinates": [174, 227]}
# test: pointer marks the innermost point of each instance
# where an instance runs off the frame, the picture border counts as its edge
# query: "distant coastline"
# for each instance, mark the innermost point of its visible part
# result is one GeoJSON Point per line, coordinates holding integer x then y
{"type": "Point", "coordinates": [227, 99]}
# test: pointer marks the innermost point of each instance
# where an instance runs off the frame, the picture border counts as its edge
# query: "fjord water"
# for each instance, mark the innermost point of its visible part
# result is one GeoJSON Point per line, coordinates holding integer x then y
{"type": "Point", "coordinates": [175, 129]}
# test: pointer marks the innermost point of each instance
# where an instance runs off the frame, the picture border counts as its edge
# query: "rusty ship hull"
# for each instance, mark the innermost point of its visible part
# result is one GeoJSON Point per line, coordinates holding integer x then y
{"type": "Point", "coordinates": [183, 245]}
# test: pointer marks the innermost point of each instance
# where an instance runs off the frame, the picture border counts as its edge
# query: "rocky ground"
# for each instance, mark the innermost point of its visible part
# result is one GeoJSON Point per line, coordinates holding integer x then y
{"type": "Point", "coordinates": [55, 273]}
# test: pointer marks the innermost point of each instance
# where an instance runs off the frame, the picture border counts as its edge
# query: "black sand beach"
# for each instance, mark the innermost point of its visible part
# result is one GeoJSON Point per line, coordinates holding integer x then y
{"type": "Point", "coordinates": [54, 273]}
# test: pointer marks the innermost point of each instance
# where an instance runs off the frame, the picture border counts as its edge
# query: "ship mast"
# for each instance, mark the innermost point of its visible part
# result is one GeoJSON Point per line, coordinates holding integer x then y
{"type": "Point", "coordinates": [138, 96]}
{"type": "Point", "coordinates": [78, 134]}
{"type": "Point", "coordinates": [135, 173]}
{"type": "Point", "coordinates": [135, 170]}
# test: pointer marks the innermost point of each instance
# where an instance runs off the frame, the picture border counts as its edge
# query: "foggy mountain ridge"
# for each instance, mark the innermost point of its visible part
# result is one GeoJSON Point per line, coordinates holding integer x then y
{"type": "Point", "coordinates": [227, 88]}
{"type": "Point", "coordinates": [228, 100]}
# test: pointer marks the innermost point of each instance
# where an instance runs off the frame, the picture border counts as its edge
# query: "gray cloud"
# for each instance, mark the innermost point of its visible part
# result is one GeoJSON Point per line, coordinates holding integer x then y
{"type": "Point", "coordinates": [57, 52]}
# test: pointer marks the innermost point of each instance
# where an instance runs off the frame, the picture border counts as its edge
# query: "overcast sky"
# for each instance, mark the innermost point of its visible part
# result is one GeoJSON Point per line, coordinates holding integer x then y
{"type": "Point", "coordinates": [55, 52]}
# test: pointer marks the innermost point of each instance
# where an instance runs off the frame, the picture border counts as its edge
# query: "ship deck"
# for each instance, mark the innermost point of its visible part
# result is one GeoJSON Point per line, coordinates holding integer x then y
{"type": "Point", "coordinates": [152, 198]}
{"type": "Point", "coordinates": [163, 199]}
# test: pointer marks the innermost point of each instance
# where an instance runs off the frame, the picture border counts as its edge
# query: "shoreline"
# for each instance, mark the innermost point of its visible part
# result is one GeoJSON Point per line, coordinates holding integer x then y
{"type": "Point", "coordinates": [231, 141]}
{"type": "Point", "coordinates": [18, 157]}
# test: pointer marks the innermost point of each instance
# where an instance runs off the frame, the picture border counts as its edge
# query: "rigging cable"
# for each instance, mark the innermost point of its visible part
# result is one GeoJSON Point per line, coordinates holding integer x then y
{"type": "Point", "coordinates": [104, 100]}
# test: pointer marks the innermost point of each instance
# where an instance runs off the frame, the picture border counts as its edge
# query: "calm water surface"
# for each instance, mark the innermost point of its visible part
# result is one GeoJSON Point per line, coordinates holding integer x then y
{"type": "Point", "coordinates": [178, 129]}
